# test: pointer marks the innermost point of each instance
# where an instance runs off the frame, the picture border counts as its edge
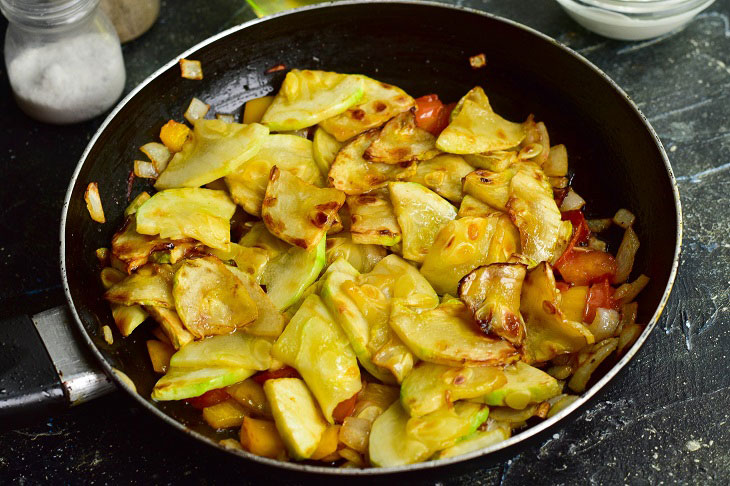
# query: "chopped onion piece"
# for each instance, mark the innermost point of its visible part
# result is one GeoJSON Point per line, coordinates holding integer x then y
{"type": "Point", "coordinates": [562, 403]}
{"type": "Point", "coordinates": [196, 110]}
{"type": "Point", "coordinates": [599, 225]}
{"type": "Point", "coordinates": [625, 256]}
{"type": "Point", "coordinates": [596, 244]}
{"type": "Point", "coordinates": [108, 336]}
{"type": "Point", "coordinates": [629, 335]}
{"type": "Point", "coordinates": [628, 291]}
{"type": "Point", "coordinates": [624, 218]}
{"type": "Point", "coordinates": [478, 61]}
{"type": "Point", "coordinates": [628, 316]}
{"type": "Point", "coordinates": [556, 164]}
{"type": "Point", "coordinates": [93, 203]}
{"type": "Point", "coordinates": [598, 353]}
{"type": "Point", "coordinates": [604, 324]}
{"type": "Point", "coordinates": [226, 117]}
{"type": "Point", "coordinates": [355, 433]}
{"type": "Point", "coordinates": [145, 170]}
{"type": "Point", "coordinates": [572, 202]}
{"type": "Point", "coordinates": [190, 69]}
{"type": "Point", "coordinates": [158, 154]}
{"type": "Point", "coordinates": [558, 182]}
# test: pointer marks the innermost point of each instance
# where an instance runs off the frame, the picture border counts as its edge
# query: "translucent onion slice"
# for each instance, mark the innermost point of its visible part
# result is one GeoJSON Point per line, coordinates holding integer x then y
{"type": "Point", "coordinates": [158, 154]}
{"type": "Point", "coordinates": [226, 117]}
{"type": "Point", "coordinates": [93, 203]}
{"type": "Point", "coordinates": [624, 218]}
{"type": "Point", "coordinates": [190, 69]}
{"type": "Point", "coordinates": [572, 202]}
{"type": "Point", "coordinates": [197, 109]}
{"type": "Point", "coordinates": [625, 256]}
{"type": "Point", "coordinates": [145, 170]}
{"type": "Point", "coordinates": [605, 323]}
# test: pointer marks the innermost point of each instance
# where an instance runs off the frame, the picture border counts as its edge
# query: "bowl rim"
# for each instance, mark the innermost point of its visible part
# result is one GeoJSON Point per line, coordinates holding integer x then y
{"type": "Point", "coordinates": [373, 471]}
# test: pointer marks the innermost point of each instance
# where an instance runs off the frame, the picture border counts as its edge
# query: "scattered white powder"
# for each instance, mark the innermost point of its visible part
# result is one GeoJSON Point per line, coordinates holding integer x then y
{"type": "Point", "coordinates": [68, 81]}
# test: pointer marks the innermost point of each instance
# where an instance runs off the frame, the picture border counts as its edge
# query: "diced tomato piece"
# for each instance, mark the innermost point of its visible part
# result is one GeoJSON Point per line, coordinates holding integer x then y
{"type": "Point", "coordinates": [209, 398]}
{"type": "Point", "coordinates": [600, 294]}
{"type": "Point", "coordinates": [562, 286]}
{"type": "Point", "coordinates": [285, 372]}
{"type": "Point", "coordinates": [581, 267]}
{"type": "Point", "coordinates": [581, 232]}
{"type": "Point", "coordinates": [428, 113]}
{"type": "Point", "coordinates": [344, 409]}
{"type": "Point", "coordinates": [443, 119]}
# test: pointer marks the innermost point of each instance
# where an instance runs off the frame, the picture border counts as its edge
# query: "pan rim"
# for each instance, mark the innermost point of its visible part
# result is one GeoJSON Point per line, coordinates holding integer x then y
{"type": "Point", "coordinates": [329, 471]}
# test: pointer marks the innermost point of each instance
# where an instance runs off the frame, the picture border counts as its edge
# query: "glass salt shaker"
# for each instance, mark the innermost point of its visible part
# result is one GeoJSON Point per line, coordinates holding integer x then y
{"type": "Point", "coordinates": [63, 59]}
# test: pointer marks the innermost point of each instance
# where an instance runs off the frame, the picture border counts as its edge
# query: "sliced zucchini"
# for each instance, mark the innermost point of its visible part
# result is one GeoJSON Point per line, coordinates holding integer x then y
{"type": "Point", "coordinates": [471, 206]}
{"type": "Point", "coordinates": [460, 246]}
{"type": "Point", "coordinates": [525, 385]}
{"type": "Point", "coordinates": [446, 335]}
{"type": "Point", "coordinates": [444, 427]}
{"type": "Point", "coordinates": [171, 325]}
{"type": "Point", "coordinates": [401, 140]}
{"type": "Point", "coordinates": [324, 150]}
{"type": "Point", "coordinates": [340, 276]}
{"type": "Point", "coordinates": [536, 134]}
{"type": "Point", "coordinates": [380, 102]}
{"type": "Point", "coordinates": [353, 175]}
{"type": "Point", "coordinates": [492, 188]}
{"type": "Point", "coordinates": [134, 249]}
{"type": "Point", "coordinates": [201, 214]}
{"type": "Point", "coordinates": [247, 184]}
{"type": "Point", "coordinates": [397, 278]}
{"type": "Point", "coordinates": [373, 219]}
{"type": "Point", "coordinates": [296, 414]}
{"type": "Point", "coordinates": [297, 212]}
{"type": "Point", "coordinates": [316, 346]}
{"type": "Point", "coordinates": [259, 237]}
{"type": "Point", "coordinates": [215, 150]}
{"type": "Point", "coordinates": [308, 97]}
{"type": "Point", "coordinates": [479, 440]}
{"type": "Point", "coordinates": [544, 236]}
{"type": "Point", "coordinates": [548, 332]}
{"type": "Point", "coordinates": [496, 161]}
{"type": "Point", "coordinates": [475, 128]}
{"type": "Point", "coordinates": [492, 295]}
{"type": "Point", "coordinates": [390, 444]}
{"type": "Point", "coordinates": [420, 213]}
{"type": "Point", "coordinates": [289, 274]}
{"type": "Point", "coordinates": [430, 386]}
{"type": "Point", "coordinates": [362, 257]}
{"type": "Point", "coordinates": [248, 260]}
{"type": "Point", "coordinates": [179, 384]}
{"type": "Point", "coordinates": [127, 318]}
{"type": "Point", "coordinates": [210, 299]}
{"type": "Point", "coordinates": [151, 285]}
{"type": "Point", "coordinates": [237, 350]}
{"type": "Point", "coordinates": [443, 174]}
{"type": "Point", "coordinates": [270, 322]}
{"type": "Point", "coordinates": [140, 199]}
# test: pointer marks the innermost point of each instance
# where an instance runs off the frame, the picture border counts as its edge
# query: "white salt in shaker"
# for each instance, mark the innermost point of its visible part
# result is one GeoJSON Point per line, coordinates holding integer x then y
{"type": "Point", "coordinates": [63, 59]}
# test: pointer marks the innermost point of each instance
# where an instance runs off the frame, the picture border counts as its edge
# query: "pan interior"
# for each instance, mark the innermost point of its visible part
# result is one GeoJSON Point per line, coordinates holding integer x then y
{"type": "Point", "coordinates": [420, 48]}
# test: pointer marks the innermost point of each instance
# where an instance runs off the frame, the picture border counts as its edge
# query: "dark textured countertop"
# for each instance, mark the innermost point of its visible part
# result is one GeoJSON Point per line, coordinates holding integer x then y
{"type": "Point", "coordinates": [664, 420]}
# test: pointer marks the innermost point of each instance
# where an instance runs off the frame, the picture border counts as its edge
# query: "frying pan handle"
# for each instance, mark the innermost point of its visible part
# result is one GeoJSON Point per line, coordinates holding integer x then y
{"type": "Point", "coordinates": [43, 367]}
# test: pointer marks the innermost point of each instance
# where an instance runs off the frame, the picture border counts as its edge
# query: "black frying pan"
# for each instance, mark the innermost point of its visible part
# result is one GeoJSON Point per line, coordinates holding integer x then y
{"type": "Point", "coordinates": [617, 158]}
